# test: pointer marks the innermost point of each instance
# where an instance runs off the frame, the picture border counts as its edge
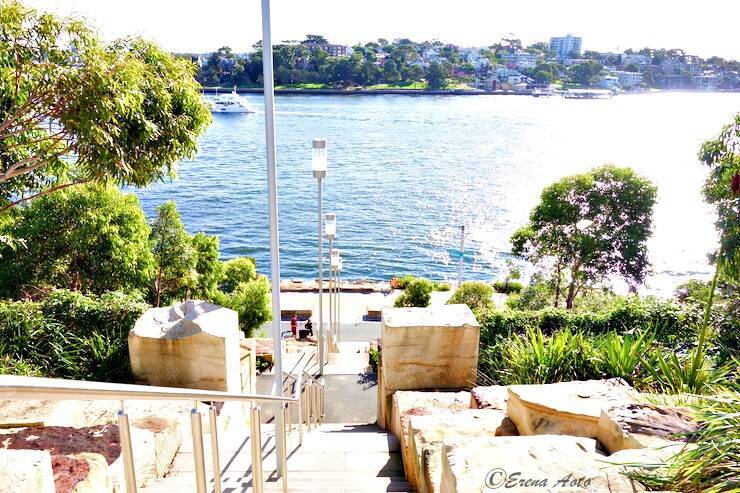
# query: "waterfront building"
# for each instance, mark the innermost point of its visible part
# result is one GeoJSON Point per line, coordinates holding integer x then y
{"type": "Point", "coordinates": [331, 49]}
{"type": "Point", "coordinates": [628, 79]}
{"type": "Point", "coordinates": [519, 59]}
{"type": "Point", "coordinates": [609, 82]}
{"type": "Point", "coordinates": [706, 82]}
{"type": "Point", "coordinates": [565, 46]}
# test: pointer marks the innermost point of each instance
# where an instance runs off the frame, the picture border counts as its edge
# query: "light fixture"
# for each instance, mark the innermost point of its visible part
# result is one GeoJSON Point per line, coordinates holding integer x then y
{"type": "Point", "coordinates": [330, 227]}
{"type": "Point", "coordinates": [319, 158]}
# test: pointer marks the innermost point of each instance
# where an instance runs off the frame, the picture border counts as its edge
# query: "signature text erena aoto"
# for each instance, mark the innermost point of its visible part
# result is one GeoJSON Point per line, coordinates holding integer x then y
{"type": "Point", "coordinates": [498, 478]}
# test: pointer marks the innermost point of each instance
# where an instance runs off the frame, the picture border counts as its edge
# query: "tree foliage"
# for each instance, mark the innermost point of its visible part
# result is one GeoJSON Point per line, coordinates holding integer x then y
{"type": "Point", "coordinates": [175, 259]}
{"type": "Point", "coordinates": [91, 239]}
{"type": "Point", "coordinates": [589, 226]}
{"type": "Point", "coordinates": [722, 189]}
{"type": "Point", "coordinates": [74, 109]}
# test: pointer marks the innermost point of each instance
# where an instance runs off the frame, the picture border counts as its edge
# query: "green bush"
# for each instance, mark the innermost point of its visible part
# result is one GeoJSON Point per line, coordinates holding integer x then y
{"type": "Point", "coordinates": [236, 271]}
{"type": "Point", "coordinates": [442, 286]}
{"type": "Point", "coordinates": [535, 358]}
{"type": "Point", "coordinates": [251, 300]}
{"type": "Point", "coordinates": [373, 357]}
{"type": "Point", "coordinates": [477, 295]}
{"type": "Point", "coordinates": [507, 287]}
{"type": "Point", "coordinates": [417, 293]}
{"type": "Point", "coordinates": [69, 335]}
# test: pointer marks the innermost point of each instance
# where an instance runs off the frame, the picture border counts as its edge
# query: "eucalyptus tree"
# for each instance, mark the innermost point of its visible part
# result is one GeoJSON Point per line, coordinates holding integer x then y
{"type": "Point", "coordinates": [589, 226]}
{"type": "Point", "coordinates": [74, 109]}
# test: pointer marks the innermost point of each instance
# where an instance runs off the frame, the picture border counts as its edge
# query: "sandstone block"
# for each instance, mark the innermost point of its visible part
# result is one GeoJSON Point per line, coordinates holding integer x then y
{"type": "Point", "coordinates": [489, 397]}
{"type": "Point", "coordinates": [26, 471]}
{"type": "Point", "coordinates": [409, 402]}
{"type": "Point", "coordinates": [429, 348]}
{"type": "Point", "coordinates": [567, 408]}
{"type": "Point", "coordinates": [427, 432]}
{"type": "Point", "coordinates": [192, 344]}
{"type": "Point", "coordinates": [635, 426]}
{"type": "Point", "coordinates": [528, 464]}
{"type": "Point", "coordinates": [96, 479]}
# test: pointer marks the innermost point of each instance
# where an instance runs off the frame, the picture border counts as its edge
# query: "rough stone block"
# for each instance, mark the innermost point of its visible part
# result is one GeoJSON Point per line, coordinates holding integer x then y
{"type": "Point", "coordinates": [429, 348]}
{"type": "Point", "coordinates": [26, 471]}
{"type": "Point", "coordinates": [635, 426]}
{"type": "Point", "coordinates": [427, 432]}
{"type": "Point", "coordinates": [489, 397]}
{"type": "Point", "coordinates": [567, 408]}
{"type": "Point", "coordinates": [529, 464]}
{"type": "Point", "coordinates": [192, 344]}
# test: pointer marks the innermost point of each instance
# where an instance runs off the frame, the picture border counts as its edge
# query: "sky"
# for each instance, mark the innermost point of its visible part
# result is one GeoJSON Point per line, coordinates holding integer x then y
{"type": "Point", "coordinates": [703, 28]}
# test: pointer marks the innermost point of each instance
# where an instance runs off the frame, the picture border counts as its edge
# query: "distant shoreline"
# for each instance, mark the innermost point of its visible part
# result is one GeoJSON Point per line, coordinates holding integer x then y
{"type": "Point", "coordinates": [419, 92]}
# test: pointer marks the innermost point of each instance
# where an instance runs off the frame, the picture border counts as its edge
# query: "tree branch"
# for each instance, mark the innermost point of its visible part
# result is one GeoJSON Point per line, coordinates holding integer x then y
{"type": "Point", "coordinates": [41, 194]}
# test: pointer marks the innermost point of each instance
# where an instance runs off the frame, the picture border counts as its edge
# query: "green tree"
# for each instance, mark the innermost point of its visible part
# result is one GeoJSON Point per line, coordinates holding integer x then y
{"type": "Point", "coordinates": [175, 259]}
{"type": "Point", "coordinates": [437, 75]}
{"type": "Point", "coordinates": [74, 109]}
{"type": "Point", "coordinates": [251, 300]}
{"type": "Point", "coordinates": [722, 189]}
{"type": "Point", "coordinates": [589, 226]}
{"type": "Point", "coordinates": [236, 271]}
{"type": "Point", "coordinates": [391, 75]}
{"type": "Point", "coordinates": [585, 74]}
{"type": "Point", "coordinates": [209, 270]}
{"type": "Point", "coordinates": [92, 239]}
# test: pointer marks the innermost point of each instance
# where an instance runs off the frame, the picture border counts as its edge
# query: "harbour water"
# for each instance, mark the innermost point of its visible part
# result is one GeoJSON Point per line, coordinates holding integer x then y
{"type": "Point", "coordinates": [406, 171]}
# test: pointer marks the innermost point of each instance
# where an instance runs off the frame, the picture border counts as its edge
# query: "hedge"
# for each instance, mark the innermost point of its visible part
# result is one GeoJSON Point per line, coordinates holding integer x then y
{"type": "Point", "coordinates": [671, 322]}
{"type": "Point", "coordinates": [69, 335]}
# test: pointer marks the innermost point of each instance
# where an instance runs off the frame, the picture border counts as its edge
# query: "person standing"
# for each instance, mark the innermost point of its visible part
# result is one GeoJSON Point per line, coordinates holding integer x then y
{"type": "Point", "coordinates": [294, 325]}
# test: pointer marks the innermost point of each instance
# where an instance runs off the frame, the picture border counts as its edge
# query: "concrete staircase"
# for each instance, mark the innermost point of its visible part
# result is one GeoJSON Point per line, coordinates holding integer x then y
{"type": "Point", "coordinates": [333, 458]}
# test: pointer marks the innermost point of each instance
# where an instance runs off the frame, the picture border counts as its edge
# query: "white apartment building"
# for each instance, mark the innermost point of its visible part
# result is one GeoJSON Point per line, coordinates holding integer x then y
{"type": "Point", "coordinates": [520, 59]}
{"type": "Point", "coordinates": [628, 79]}
{"type": "Point", "coordinates": [566, 45]}
{"type": "Point", "coordinates": [609, 82]}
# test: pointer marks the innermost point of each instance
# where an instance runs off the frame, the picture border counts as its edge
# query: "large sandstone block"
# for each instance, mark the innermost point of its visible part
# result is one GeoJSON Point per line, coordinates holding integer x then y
{"type": "Point", "coordinates": [82, 473]}
{"type": "Point", "coordinates": [26, 471]}
{"type": "Point", "coordinates": [529, 464]}
{"type": "Point", "coordinates": [489, 397]}
{"type": "Point", "coordinates": [636, 426]}
{"type": "Point", "coordinates": [415, 403]}
{"type": "Point", "coordinates": [426, 434]}
{"type": "Point", "coordinates": [192, 344]}
{"type": "Point", "coordinates": [429, 348]}
{"type": "Point", "coordinates": [567, 408]}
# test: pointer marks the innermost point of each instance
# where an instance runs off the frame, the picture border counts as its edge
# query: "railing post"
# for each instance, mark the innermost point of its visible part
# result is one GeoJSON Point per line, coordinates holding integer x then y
{"type": "Point", "coordinates": [256, 439]}
{"type": "Point", "coordinates": [214, 449]}
{"type": "Point", "coordinates": [283, 460]}
{"type": "Point", "coordinates": [298, 394]}
{"type": "Point", "coordinates": [124, 432]}
{"type": "Point", "coordinates": [196, 426]}
{"type": "Point", "coordinates": [315, 401]}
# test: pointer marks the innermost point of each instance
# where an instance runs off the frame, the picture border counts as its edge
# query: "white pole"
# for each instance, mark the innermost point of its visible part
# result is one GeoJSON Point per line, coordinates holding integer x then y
{"type": "Point", "coordinates": [320, 338]}
{"type": "Point", "coordinates": [269, 91]}
{"type": "Point", "coordinates": [331, 290]}
{"type": "Point", "coordinates": [462, 255]}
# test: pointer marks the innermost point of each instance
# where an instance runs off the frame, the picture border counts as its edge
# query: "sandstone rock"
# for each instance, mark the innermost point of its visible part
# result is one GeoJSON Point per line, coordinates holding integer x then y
{"type": "Point", "coordinates": [429, 348]}
{"type": "Point", "coordinates": [66, 440]}
{"type": "Point", "coordinates": [528, 464]}
{"type": "Point", "coordinates": [95, 481]}
{"type": "Point", "coordinates": [632, 425]}
{"type": "Point", "coordinates": [404, 402]}
{"type": "Point", "coordinates": [567, 408]}
{"type": "Point", "coordinates": [26, 471]}
{"type": "Point", "coordinates": [490, 397]}
{"type": "Point", "coordinates": [192, 344]}
{"type": "Point", "coordinates": [427, 432]}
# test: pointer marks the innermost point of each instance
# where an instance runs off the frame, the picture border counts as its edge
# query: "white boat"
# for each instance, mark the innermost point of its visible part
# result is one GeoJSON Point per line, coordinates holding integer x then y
{"type": "Point", "coordinates": [230, 103]}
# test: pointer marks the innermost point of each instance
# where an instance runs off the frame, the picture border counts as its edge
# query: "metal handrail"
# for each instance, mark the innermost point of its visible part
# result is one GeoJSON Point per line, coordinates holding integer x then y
{"type": "Point", "coordinates": [35, 388]}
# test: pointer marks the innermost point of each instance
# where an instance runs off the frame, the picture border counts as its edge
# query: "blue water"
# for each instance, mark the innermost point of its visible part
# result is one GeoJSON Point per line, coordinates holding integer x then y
{"type": "Point", "coordinates": [406, 171]}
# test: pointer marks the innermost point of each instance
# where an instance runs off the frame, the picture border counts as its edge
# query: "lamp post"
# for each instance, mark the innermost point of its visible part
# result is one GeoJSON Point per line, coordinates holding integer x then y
{"type": "Point", "coordinates": [333, 263]}
{"type": "Point", "coordinates": [331, 231]}
{"type": "Point", "coordinates": [339, 297]}
{"type": "Point", "coordinates": [319, 165]}
{"type": "Point", "coordinates": [269, 92]}
{"type": "Point", "coordinates": [462, 255]}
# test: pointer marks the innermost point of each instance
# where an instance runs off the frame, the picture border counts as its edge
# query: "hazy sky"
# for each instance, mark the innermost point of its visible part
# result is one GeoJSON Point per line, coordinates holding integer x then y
{"type": "Point", "coordinates": [703, 28]}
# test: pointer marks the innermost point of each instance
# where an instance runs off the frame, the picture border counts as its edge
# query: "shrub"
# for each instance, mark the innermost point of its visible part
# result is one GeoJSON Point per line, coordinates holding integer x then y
{"type": "Point", "coordinates": [251, 300]}
{"type": "Point", "coordinates": [621, 355]}
{"type": "Point", "coordinates": [507, 287]}
{"type": "Point", "coordinates": [236, 271]}
{"type": "Point", "coordinates": [535, 358]}
{"type": "Point", "coordinates": [477, 295]}
{"type": "Point", "coordinates": [93, 239]}
{"type": "Point", "coordinates": [70, 335]}
{"type": "Point", "coordinates": [536, 296]}
{"type": "Point", "coordinates": [417, 293]}
{"type": "Point", "coordinates": [442, 286]}
{"type": "Point", "coordinates": [373, 356]}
